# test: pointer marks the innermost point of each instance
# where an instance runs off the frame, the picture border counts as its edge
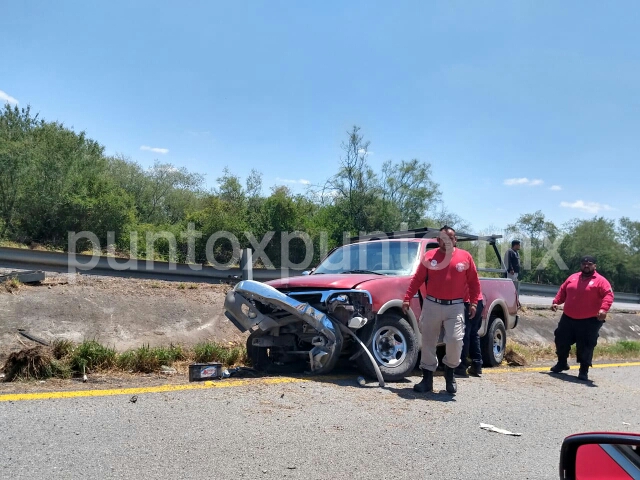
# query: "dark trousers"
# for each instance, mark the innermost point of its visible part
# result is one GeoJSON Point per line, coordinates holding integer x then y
{"type": "Point", "coordinates": [584, 333]}
{"type": "Point", "coordinates": [471, 341]}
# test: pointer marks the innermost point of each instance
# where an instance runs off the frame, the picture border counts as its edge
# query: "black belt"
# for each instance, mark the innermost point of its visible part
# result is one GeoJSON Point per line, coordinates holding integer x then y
{"type": "Point", "coordinates": [445, 302]}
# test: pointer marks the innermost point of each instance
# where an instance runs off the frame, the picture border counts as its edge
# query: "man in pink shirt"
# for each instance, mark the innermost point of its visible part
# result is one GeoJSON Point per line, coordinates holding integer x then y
{"type": "Point", "coordinates": [450, 273]}
{"type": "Point", "coordinates": [587, 297]}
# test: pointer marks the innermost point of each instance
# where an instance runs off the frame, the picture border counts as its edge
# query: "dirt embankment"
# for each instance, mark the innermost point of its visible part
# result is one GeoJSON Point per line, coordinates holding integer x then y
{"type": "Point", "coordinates": [128, 313]}
{"type": "Point", "coordinates": [117, 312]}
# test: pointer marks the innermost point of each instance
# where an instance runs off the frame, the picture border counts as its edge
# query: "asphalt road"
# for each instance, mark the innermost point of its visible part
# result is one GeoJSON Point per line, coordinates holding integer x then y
{"type": "Point", "coordinates": [535, 300]}
{"type": "Point", "coordinates": [318, 429]}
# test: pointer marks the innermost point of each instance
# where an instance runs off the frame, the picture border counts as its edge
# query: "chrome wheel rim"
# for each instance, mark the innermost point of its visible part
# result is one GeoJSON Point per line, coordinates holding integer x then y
{"type": "Point", "coordinates": [389, 346]}
{"type": "Point", "coordinates": [498, 345]}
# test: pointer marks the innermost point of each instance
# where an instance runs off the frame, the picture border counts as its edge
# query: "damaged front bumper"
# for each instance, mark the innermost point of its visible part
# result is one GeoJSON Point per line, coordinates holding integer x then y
{"type": "Point", "coordinates": [241, 309]}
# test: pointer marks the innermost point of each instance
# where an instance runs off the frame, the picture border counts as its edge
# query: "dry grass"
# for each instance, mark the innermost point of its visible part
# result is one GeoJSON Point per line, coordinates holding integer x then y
{"type": "Point", "coordinates": [11, 285]}
{"type": "Point", "coordinates": [532, 353]}
{"type": "Point", "coordinates": [535, 353]}
{"type": "Point", "coordinates": [34, 363]}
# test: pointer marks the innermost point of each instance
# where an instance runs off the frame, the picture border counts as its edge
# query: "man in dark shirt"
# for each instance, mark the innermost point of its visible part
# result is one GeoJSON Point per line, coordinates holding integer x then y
{"type": "Point", "coordinates": [513, 261]}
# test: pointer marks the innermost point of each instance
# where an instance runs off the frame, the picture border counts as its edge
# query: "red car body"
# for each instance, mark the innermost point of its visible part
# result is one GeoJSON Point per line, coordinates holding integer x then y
{"type": "Point", "coordinates": [387, 293]}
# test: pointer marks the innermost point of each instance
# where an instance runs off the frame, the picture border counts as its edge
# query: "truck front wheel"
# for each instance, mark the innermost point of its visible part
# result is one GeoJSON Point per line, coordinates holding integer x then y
{"type": "Point", "coordinates": [494, 343]}
{"type": "Point", "coordinates": [394, 347]}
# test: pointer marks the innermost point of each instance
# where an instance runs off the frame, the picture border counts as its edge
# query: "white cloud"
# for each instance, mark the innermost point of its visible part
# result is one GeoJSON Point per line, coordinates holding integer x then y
{"type": "Point", "coordinates": [555, 188]}
{"type": "Point", "coordinates": [523, 181]}
{"type": "Point", "coordinates": [6, 98]}
{"type": "Point", "coordinates": [302, 181]}
{"type": "Point", "coordinates": [154, 149]}
{"type": "Point", "coordinates": [589, 207]}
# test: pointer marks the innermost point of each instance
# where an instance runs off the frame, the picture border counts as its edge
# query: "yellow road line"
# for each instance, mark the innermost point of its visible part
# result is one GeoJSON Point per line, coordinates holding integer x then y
{"type": "Point", "coordinates": [546, 369]}
{"type": "Point", "coordinates": [11, 397]}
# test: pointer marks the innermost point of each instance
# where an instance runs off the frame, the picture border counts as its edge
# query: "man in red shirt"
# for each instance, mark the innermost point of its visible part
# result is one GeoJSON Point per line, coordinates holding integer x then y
{"type": "Point", "coordinates": [587, 297]}
{"type": "Point", "coordinates": [448, 273]}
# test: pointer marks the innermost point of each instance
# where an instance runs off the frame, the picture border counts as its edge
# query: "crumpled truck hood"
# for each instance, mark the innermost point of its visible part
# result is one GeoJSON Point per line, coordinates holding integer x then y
{"type": "Point", "coordinates": [339, 281]}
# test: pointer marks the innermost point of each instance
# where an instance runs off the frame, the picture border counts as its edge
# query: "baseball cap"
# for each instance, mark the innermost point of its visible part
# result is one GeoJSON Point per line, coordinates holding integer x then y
{"type": "Point", "coordinates": [587, 259]}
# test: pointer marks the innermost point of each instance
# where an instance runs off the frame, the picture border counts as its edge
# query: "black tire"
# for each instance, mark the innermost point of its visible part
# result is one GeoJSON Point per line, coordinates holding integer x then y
{"type": "Point", "coordinates": [395, 363]}
{"type": "Point", "coordinates": [258, 356]}
{"type": "Point", "coordinates": [494, 342]}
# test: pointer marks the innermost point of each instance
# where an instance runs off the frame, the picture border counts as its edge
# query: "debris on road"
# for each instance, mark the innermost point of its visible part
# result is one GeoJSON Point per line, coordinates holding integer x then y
{"type": "Point", "coordinates": [514, 359]}
{"type": "Point", "coordinates": [204, 371]}
{"type": "Point", "coordinates": [491, 428]}
{"type": "Point", "coordinates": [133, 399]}
{"type": "Point", "coordinates": [240, 372]}
{"type": "Point", "coordinates": [33, 337]}
{"type": "Point", "coordinates": [361, 381]}
{"type": "Point", "coordinates": [35, 362]}
{"type": "Point", "coordinates": [28, 277]}
{"type": "Point", "coordinates": [625, 423]}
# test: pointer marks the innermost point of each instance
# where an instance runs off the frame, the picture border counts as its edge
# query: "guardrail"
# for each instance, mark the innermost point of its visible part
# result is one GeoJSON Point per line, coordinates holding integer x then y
{"type": "Point", "coordinates": [551, 290]}
{"type": "Point", "coordinates": [62, 262]}
{"type": "Point", "coordinates": [134, 268]}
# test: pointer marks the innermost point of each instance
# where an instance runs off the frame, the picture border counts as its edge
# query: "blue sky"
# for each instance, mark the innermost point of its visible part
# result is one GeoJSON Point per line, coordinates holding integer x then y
{"type": "Point", "coordinates": [505, 99]}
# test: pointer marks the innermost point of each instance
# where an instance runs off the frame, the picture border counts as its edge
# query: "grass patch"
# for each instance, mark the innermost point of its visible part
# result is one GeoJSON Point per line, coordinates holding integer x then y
{"type": "Point", "coordinates": [92, 356]}
{"type": "Point", "coordinates": [12, 284]}
{"type": "Point", "coordinates": [146, 359]}
{"type": "Point", "coordinates": [621, 350]}
{"type": "Point", "coordinates": [62, 348]}
{"type": "Point", "coordinates": [65, 358]}
{"type": "Point", "coordinates": [228, 355]}
{"type": "Point", "coordinates": [532, 353]}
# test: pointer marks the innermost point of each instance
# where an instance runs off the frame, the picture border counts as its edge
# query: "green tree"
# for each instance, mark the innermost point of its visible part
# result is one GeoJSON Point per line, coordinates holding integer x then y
{"type": "Point", "coordinates": [597, 237]}
{"type": "Point", "coordinates": [408, 187]}
{"type": "Point", "coordinates": [17, 161]}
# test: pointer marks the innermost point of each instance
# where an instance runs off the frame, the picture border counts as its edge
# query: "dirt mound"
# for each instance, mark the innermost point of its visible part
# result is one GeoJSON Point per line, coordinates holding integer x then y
{"type": "Point", "coordinates": [35, 362]}
{"type": "Point", "coordinates": [514, 359]}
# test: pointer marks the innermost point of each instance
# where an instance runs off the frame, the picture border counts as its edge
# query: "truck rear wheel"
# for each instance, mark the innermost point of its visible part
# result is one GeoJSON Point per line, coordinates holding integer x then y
{"type": "Point", "coordinates": [394, 347]}
{"type": "Point", "coordinates": [494, 342]}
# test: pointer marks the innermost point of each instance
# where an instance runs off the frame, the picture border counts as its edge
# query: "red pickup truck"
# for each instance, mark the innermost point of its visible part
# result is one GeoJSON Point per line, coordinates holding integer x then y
{"type": "Point", "coordinates": [349, 307]}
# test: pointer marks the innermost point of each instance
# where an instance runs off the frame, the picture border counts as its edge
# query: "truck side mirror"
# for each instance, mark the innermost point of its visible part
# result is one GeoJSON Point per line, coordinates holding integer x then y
{"type": "Point", "coordinates": [600, 456]}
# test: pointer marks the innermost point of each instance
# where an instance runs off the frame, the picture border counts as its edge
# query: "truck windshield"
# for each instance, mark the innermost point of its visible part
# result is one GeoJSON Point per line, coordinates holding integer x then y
{"type": "Point", "coordinates": [384, 258]}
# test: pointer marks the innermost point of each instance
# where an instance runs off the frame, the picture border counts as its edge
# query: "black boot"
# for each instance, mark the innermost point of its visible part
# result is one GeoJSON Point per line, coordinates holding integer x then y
{"type": "Point", "coordinates": [461, 371]}
{"type": "Point", "coordinates": [426, 385]}
{"type": "Point", "coordinates": [452, 386]}
{"type": "Point", "coordinates": [475, 369]}
{"type": "Point", "coordinates": [560, 366]}
{"type": "Point", "coordinates": [583, 374]}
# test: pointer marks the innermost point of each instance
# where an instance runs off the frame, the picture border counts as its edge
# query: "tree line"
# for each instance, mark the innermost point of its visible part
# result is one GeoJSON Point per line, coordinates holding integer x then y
{"type": "Point", "coordinates": [54, 180]}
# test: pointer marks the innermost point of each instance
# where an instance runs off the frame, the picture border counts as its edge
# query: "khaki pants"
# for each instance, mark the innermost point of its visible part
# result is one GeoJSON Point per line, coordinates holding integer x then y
{"type": "Point", "coordinates": [433, 317]}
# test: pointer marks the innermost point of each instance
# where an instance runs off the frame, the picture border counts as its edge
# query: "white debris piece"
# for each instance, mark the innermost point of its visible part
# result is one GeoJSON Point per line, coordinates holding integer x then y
{"type": "Point", "coordinates": [625, 423]}
{"type": "Point", "coordinates": [491, 428]}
